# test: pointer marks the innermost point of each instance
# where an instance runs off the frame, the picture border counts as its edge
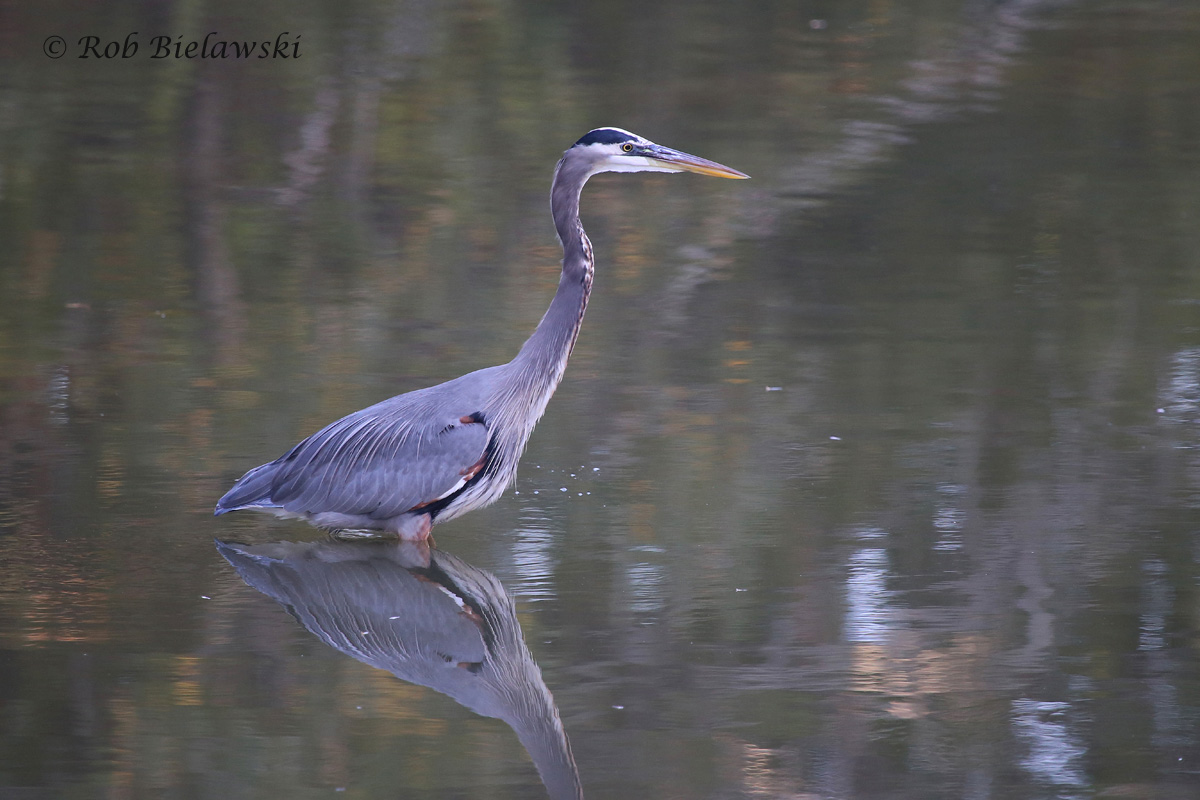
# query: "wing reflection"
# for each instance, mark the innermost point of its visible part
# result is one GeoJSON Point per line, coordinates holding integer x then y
{"type": "Point", "coordinates": [428, 618]}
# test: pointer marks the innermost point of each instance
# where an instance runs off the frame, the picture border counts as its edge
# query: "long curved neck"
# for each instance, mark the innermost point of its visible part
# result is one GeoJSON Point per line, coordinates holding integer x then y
{"type": "Point", "coordinates": [544, 356]}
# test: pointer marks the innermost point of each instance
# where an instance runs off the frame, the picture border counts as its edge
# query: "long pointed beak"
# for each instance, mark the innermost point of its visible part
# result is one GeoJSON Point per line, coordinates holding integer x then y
{"type": "Point", "coordinates": [683, 162]}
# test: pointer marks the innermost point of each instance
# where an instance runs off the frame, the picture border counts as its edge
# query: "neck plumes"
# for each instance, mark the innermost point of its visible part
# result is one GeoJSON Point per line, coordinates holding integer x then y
{"type": "Point", "coordinates": [544, 356]}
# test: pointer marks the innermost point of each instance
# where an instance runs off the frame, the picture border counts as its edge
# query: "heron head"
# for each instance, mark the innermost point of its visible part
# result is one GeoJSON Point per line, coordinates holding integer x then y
{"type": "Point", "coordinates": [617, 150]}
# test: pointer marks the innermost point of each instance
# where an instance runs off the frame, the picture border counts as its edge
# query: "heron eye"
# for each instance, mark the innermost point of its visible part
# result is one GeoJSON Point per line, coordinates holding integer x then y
{"type": "Point", "coordinates": [627, 147]}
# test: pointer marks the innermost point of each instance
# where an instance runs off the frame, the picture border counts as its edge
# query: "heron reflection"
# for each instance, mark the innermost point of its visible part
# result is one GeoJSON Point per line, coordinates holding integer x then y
{"type": "Point", "coordinates": [428, 618]}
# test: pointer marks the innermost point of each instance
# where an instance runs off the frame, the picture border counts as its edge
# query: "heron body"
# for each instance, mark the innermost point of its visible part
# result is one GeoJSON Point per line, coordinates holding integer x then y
{"type": "Point", "coordinates": [433, 454]}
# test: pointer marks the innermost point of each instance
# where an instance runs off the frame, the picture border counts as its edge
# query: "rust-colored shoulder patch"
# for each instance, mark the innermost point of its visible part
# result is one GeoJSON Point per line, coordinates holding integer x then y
{"type": "Point", "coordinates": [473, 470]}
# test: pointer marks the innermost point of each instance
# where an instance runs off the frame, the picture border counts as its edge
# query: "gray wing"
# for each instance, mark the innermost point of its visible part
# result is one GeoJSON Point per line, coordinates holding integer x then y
{"type": "Point", "coordinates": [378, 462]}
{"type": "Point", "coordinates": [370, 607]}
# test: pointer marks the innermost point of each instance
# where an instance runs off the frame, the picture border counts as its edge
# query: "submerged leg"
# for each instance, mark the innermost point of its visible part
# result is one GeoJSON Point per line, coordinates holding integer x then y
{"type": "Point", "coordinates": [408, 527]}
{"type": "Point", "coordinates": [358, 534]}
{"type": "Point", "coordinates": [413, 527]}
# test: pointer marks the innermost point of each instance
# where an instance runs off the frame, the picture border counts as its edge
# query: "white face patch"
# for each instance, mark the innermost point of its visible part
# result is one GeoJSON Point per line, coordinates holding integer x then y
{"type": "Point", "coordinates": [619, 162]}
{"type": "Point", "coordinates": [633, 153]}
{"type": "Point", "coordinates": [613, 158]}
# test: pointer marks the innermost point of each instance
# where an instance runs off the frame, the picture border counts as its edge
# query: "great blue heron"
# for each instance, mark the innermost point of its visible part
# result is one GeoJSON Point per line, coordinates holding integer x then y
{"type": "Point", "coordinates": [430, 455]}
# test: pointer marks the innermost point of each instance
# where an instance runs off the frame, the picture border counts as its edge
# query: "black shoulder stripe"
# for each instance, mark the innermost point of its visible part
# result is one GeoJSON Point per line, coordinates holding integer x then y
{"type": "Point", "coordinates": [604, 136]}
{"type": "Point", "coordinates": [489, 466]}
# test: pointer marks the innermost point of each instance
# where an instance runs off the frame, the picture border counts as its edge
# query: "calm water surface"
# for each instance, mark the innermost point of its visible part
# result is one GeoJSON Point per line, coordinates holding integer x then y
{"type": "Point", "coordinates": [877, 476]}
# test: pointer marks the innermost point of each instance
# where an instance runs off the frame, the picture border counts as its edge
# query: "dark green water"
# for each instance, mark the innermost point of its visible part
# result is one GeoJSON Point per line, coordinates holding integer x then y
{"type": "Point", "coordinates": [877, 476]}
